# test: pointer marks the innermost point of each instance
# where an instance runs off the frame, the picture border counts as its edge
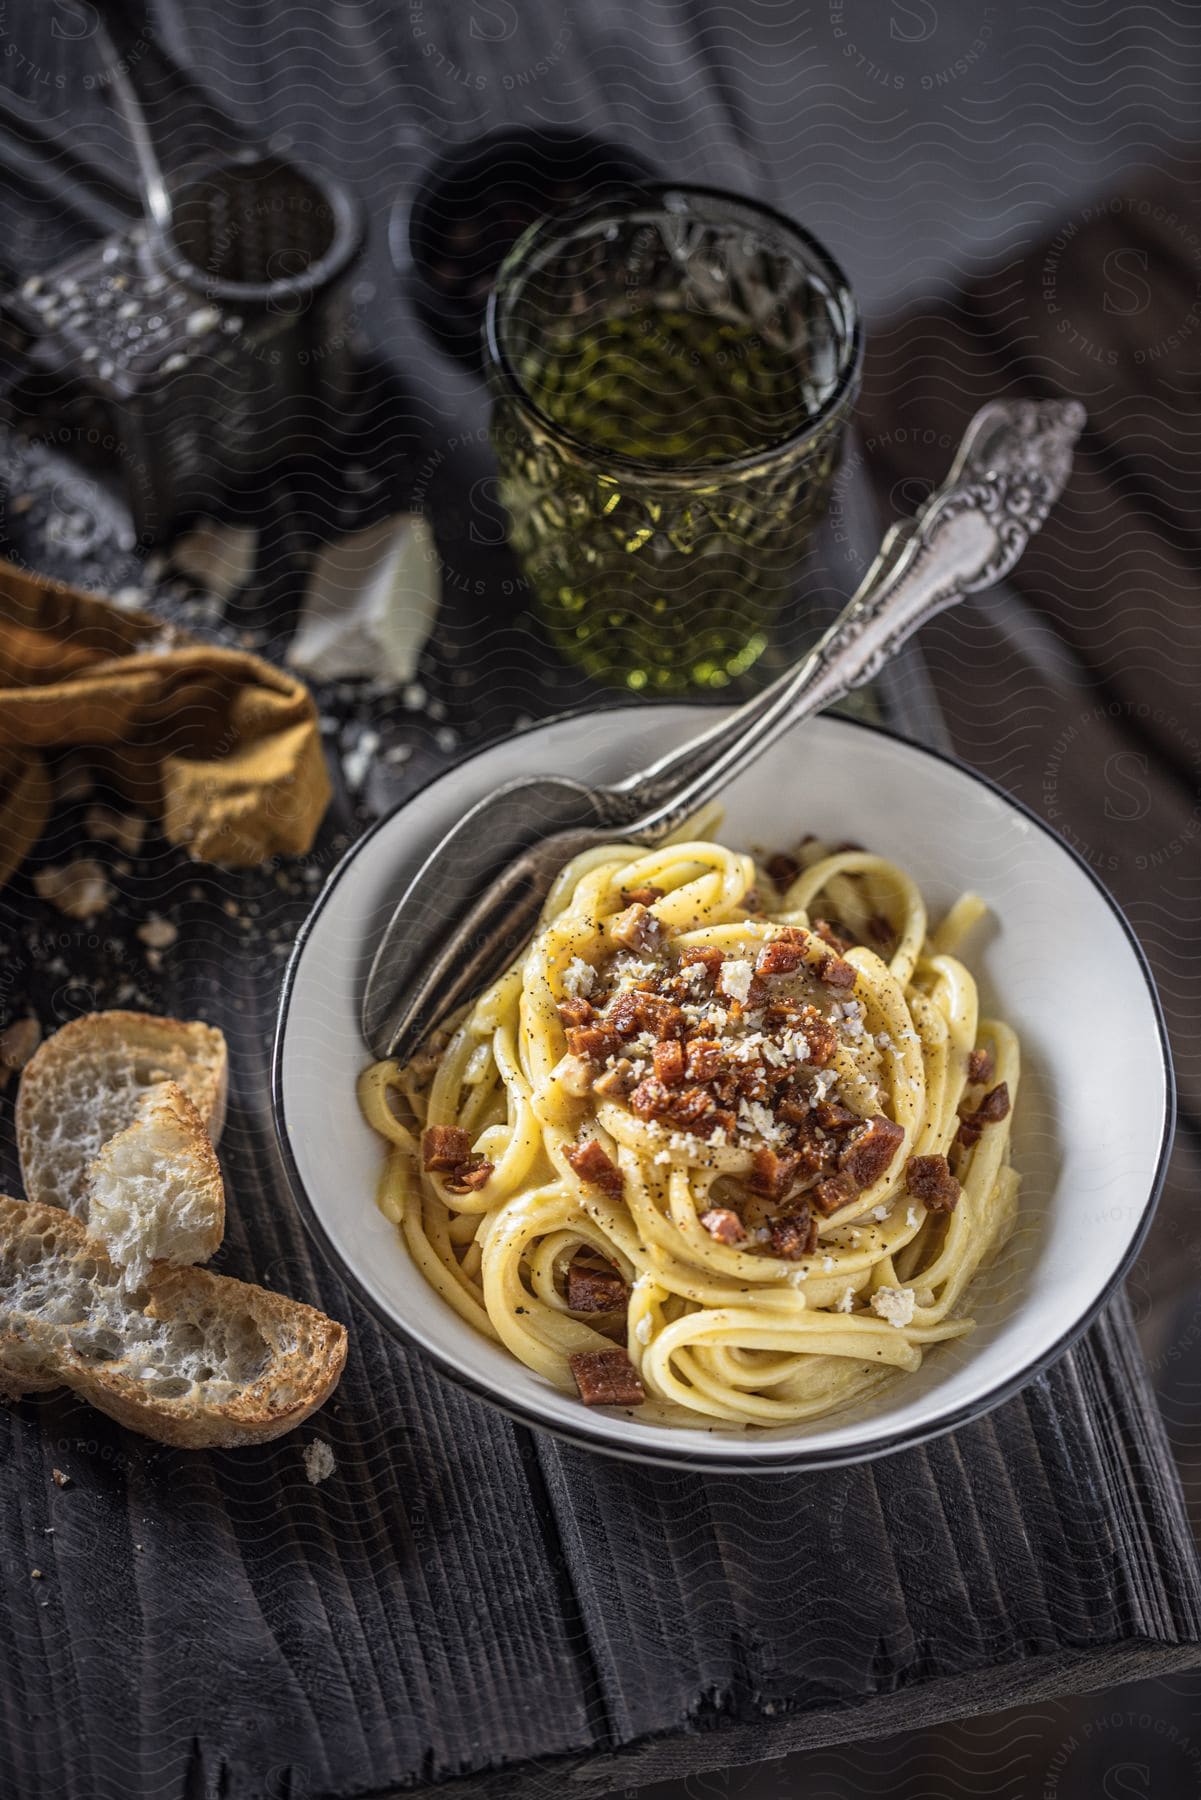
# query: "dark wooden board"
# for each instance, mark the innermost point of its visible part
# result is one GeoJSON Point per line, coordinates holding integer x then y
{"type": "Point", "coordinates": [463, 1603]}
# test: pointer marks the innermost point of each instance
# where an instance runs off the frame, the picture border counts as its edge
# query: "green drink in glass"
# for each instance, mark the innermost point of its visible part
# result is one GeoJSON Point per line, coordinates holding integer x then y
{"type": "Point", "coordinates": [671, 374]}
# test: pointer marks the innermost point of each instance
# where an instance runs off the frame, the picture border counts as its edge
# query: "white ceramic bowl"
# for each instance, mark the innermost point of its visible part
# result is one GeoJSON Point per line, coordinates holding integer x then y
{"type": "Point", "coordinates": [1091, 1129]}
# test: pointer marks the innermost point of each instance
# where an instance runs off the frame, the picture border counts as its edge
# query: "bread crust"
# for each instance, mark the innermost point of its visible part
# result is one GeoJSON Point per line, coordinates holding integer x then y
{"type": "Point", "coordinates": [305, 1352]}
{"type": "Point", "coordinates": [198, 1052]}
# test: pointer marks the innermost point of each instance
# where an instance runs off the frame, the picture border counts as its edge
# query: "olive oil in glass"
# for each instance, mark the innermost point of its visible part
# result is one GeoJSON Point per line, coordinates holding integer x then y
{"type": "Point", "coordinates": [671, 376]}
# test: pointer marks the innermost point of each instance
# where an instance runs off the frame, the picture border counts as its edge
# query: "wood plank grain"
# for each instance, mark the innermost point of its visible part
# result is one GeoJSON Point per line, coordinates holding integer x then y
{"type": "Point", "coordinates": [1034, 1532]}
{"type": "Point", "coordinates": [384, 1621]}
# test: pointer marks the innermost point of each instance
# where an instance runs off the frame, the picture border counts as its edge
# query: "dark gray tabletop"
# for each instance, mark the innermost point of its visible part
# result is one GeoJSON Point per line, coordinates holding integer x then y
{"type": "Point", "coordinates": [461, 1602]}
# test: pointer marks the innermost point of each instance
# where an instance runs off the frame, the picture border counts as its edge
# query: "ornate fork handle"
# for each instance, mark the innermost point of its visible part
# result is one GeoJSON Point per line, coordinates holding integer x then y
{"type": "Point", "coordinates": [1010, 470]}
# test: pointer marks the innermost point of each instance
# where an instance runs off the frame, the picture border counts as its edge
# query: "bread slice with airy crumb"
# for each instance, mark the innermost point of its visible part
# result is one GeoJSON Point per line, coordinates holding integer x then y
{"type": "Point", "coordinates": [155, 1193]}
{"type": "Point", "coordinates": [188, 1358]}
{"type": "Point", "coordinates": [84, 1084]}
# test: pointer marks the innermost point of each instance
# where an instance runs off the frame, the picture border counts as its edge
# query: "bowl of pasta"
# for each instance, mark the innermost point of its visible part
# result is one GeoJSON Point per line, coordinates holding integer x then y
{"type": "Point", "coordinates": [803, 1137]}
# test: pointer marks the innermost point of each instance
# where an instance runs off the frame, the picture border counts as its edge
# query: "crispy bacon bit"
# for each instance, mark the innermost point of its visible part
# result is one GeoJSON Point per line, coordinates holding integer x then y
{"type": "Point", "coordinates": [616, 1082]}
{"type": "Point", "coordinates": [606, 1378]}
{"type": "Point", "coordinates": [980, 1066]}
{"type": "Point", "coordinates": [705, 1059]}
{"type": "Point", "coordinates": [818, 1150]}
{"type": "Point", "coordinates": [595, 1290]}
{"type": "Point", "coordinates": [444, 1147]}
{"type": "Point", "coordinates": [832, 1192]}
{"type": "Point", "coordinates": [661, 1017]}
{"type": "Point", "coordinates": [822, 1039]}
{"type": "Point", "coordinates": [756, 995]}
{"type": "Point", "coordinates": [832, 1116]}
{"type": "Point", "coordinates": [995, 1105]}
{"type": "Point", "coordinates": [992, 1109]}
{"type": "Point", "coordinates": [795, 1237]}
{"type": "Point", "coordinates": [723, 1225]}
{"type": "Point", "coordinates": [635, 928]}
{"type": "Point", "coordinates": [642, 896]}
{"type": "Point", "coordinates": [625, 1013]}
{"type": "Point", "coordinates": [650, 1099]}
{"type": "Point", "coordinates": [691, 1109]}
{"type": "Point", "coordinates": [593, 1166]}
{"type": "Point", "coordinates": [469, 1176]}
{"type": "Point", "coordinates": [751, 1002]}
{"type": "Point", "coordinates": [929, 1179]}
{"type": "Point", "coordinates": [592, 1042]}
{"type": "Point", "coordinates": [838, 940]}
{"type": "Point", "coordinates": [881, 929]}
{"type": "Point", "coordinates": [783, 869]}
{"type": "Point", "coordinates": [668, 1059]}
{"type": "Point", "coordinates": [708, 955]}
{"type": "Point", "coordinates": [794, 1109]}
{"type": "Point", "coordinates": [576, 1012]}
{"type": "Point", "coordinates": [773, 1175]}
{"type": "Point", "coordinates": [865, 1157]}
{"type": "Point", "coordinates": [637, 1011]}
{"type": "Point", "coordinates": [782, 955]}
{"type": "Point", "coordinates": [832, 972]}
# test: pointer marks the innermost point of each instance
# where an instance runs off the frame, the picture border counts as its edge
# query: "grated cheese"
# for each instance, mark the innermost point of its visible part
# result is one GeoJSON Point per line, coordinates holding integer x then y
{"type": "Point", "coordinates": [735, 978]}
{"type": "Point", "coordinates": [894, 1304]}
{"type": "Point", "coordinates": [578, 978]}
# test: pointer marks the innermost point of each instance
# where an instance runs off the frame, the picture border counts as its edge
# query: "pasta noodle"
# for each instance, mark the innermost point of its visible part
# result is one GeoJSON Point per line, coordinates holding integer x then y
{"type": "Point", "coordinates": [727, 1142]}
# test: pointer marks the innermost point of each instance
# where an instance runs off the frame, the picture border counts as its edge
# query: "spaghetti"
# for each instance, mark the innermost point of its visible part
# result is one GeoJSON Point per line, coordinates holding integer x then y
{"type": "Point", "coordinates": [727, 1142]}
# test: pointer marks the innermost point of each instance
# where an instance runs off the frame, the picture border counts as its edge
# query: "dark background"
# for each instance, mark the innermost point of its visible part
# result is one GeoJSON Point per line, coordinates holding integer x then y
{"type": "Point", "coordinates": [1013, 188]}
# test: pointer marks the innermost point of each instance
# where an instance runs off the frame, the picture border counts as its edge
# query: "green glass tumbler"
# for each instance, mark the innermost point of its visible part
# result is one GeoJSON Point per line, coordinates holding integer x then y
{"type": "Point", "coordinates": [671, 373]}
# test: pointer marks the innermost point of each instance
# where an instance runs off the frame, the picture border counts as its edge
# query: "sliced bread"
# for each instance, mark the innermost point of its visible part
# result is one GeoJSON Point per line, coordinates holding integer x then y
{"type": "Point", "coordinates": [84, 1084]}
{"type": "Point", "coordinates": [155, 1192]}
{"type": "Point", "coordinates": [188, 1358]}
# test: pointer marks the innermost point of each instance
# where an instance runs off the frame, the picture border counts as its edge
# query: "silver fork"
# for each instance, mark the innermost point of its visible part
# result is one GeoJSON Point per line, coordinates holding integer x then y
{"type": "Point", "coordinates": [476, 900]}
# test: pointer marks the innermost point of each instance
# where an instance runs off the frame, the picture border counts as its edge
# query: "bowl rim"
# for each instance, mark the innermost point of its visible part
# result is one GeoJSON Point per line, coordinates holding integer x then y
{"type": "Point", "coordinates": [795, 1457]}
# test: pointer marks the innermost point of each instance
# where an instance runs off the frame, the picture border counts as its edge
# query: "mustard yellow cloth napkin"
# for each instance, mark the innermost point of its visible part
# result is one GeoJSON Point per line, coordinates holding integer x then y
{"type": "Point", "coordinates": [223, 747]}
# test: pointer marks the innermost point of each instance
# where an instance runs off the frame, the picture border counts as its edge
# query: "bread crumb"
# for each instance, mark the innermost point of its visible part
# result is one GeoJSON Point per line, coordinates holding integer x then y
{"type": "Point", "coordinates": [35, 1574]}
{"type": "Point", "coordinates": [60, 1479]}
{"type": "Point", "coordinates": [319, 1463]}
{"type": "Point", "coordinates": [126, 830]}
{"type": "Point", "coordinates": [158, 933]}
{"type": "Point", "coordinates": [79, 889]}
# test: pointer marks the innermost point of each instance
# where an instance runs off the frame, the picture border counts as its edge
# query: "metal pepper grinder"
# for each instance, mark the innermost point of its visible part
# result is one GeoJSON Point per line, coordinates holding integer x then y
{"type": "Point", "coordinates": [203, 346]}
